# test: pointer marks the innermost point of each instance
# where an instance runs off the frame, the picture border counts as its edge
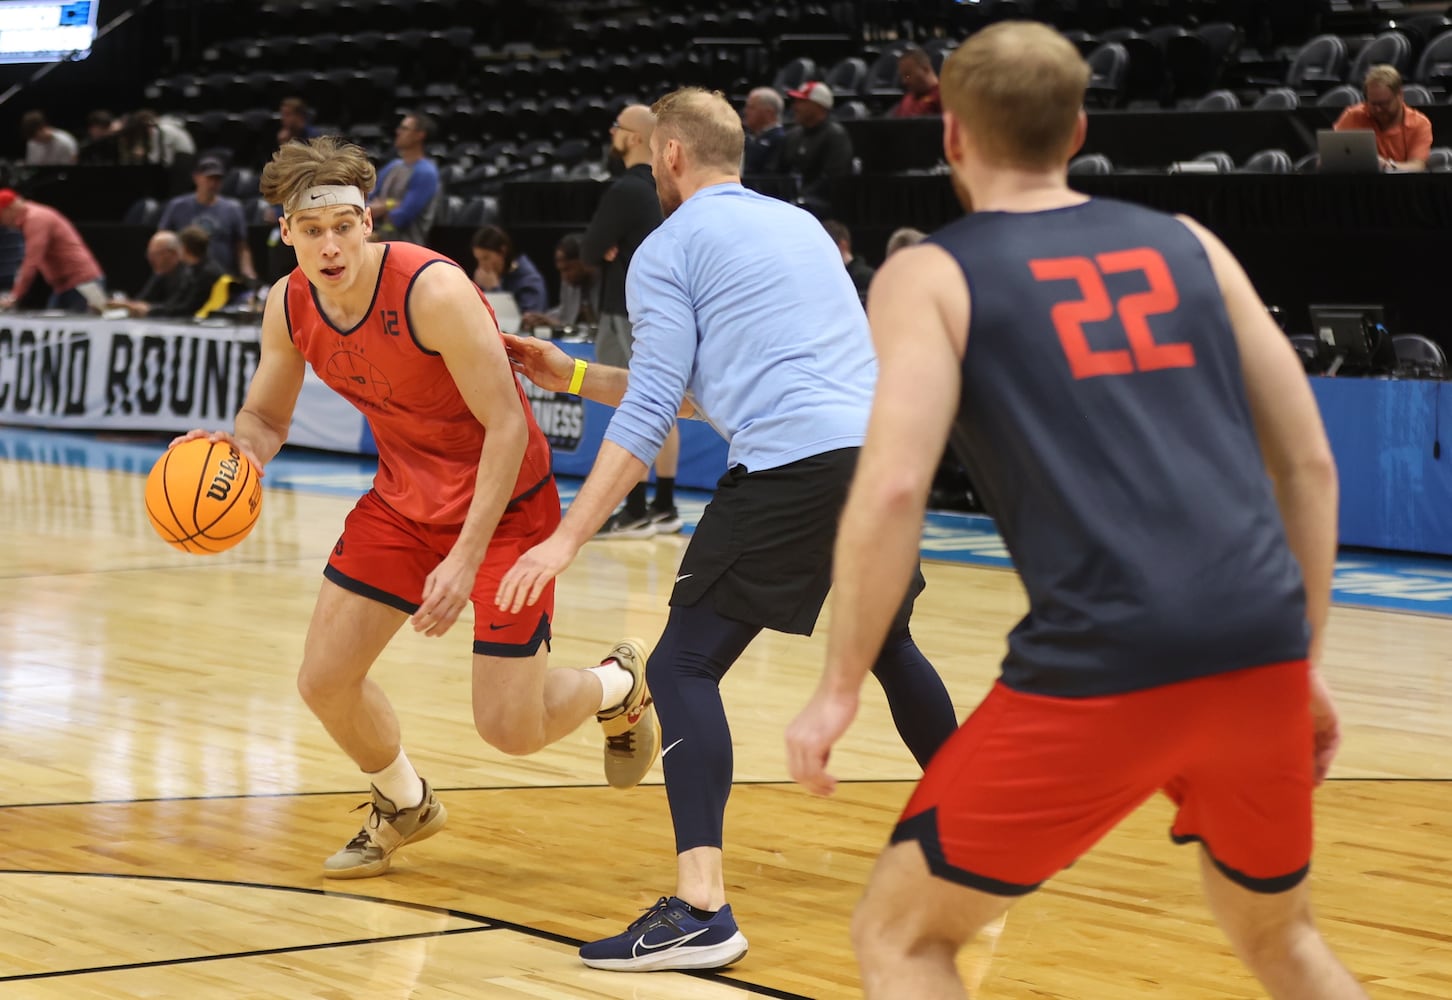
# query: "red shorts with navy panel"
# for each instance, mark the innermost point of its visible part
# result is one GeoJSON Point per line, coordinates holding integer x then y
{"type": "Point", "coordinates": [1029, 783]}
{"type": "Point", "coordinates": [385, 556]}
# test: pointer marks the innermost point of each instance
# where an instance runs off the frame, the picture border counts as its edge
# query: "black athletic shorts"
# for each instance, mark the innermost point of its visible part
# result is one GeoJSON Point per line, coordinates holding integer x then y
{"type": "Point", "coordinates": [762, 552]}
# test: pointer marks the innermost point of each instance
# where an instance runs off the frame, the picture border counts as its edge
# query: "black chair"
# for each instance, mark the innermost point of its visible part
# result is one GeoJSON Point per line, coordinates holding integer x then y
{"type": "Point", "coordinates": [1435, 64]}
{"type": "Point", "coordinates": [795, 73]}
{"type": "Point", "coordinates": [1090, 164]}
{"type": "Point", "coordinates": [1319, 65]}
{"type": "Point", "coordinates": [1439, 160]}
{"type": "Point", "coordinates": [1268, 161]}
{"type": "Point", "coordinates": [1109, 70]}
{"type": "Point", "coordinates": [1217, 100]}
{"type": "Point", "coordinates": [1390, 47]}
{"type": "Point", "coordinates": [1340, 96]}
{"type": "Point", "coordinates": [1278, 99]}
{"type": "Point", "coordinates": [1222, 161]}
{"type": "Point", "coordinates": [1419, 355]}
{"type": "Point", "coordinates": [1308, 164]}
{"type": "Point", "coordinates": [143, 212]}
{"type": "Point", "coordinates": [883, 78]}
{"type": "Point", "coordinates": [1417, 95]}
{"type": "Point", "coordinates": [846, 78]}
{"type": "Point", "coordinates": [240, 183]}
{"type": "Point", "coordinates": [851, 111]}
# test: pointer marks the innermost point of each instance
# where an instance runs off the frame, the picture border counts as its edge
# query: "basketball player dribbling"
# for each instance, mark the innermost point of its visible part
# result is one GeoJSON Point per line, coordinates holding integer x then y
{"type": "Point", "coordinates": [1149, 446]}
{"type": "Point", "coordinates": [463, 487]}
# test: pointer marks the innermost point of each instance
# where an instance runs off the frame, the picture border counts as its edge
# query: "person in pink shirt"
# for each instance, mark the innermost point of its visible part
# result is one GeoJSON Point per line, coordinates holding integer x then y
{"type": "Point", "coordinates": [919, 84]}
{"type": "Point", "coordinates": [1403, 134]}
{"type": "Point", "coordinates": [56, 251]}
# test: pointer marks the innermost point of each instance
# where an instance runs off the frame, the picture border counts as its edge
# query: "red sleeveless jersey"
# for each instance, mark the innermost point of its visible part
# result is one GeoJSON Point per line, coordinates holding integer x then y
{"type": "Point", "coordinates": [428, 439]}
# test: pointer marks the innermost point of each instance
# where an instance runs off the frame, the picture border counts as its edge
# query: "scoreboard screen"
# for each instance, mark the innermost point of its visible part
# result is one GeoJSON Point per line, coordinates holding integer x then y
{"type": "Point", "coordinates": [36, 32]}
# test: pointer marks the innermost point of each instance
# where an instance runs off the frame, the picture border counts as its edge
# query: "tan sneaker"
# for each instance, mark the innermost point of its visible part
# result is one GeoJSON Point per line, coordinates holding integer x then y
{"type": "Point", "coordinates": [386, 830]}
{"type": "Point", "coordinates": [632, 731]}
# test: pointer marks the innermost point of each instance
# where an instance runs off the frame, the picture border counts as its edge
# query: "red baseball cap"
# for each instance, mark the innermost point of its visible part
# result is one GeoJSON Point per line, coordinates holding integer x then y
{"type": "Point", "coordinates": [814, 91]}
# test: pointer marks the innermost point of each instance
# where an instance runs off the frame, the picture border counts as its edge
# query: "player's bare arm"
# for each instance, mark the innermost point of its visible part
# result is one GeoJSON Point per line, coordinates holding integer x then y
{"type": "Point", "coordinates": [449, 317]}
{"type": "Point", "coordinates": [262, 424]}
{"type": "Point", "coordinates": [918, 310]}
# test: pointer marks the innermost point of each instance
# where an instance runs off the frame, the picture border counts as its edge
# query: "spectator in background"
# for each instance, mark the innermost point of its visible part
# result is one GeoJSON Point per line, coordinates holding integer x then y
{"type": "Point", "coordinates": [579, 291]}
{"type": "Point", "coordinates": [220, 216]}
{"type": "Point", "coordinates": [168, 273]}
{"type": "Point", "coordinates": [764, 132]}
{"type": "Point", "coordinates": [919, 84]}
{"type": "Point", "coordinates": [198, 276]}
{"type": "Point", "coordinates": [626, 215]}
{"type": "Point", "coordinates": [55, 251]}
{"type": "Point", "coordinates": [502, 268]}
{"type": "Point", "coordinates": [297, 120]}
{"type": "Point", "coordinates": [905, 236]}
{"type": "Point", "coordinates": [857, 269]}
{"type": "Point", "coordinates": [408, 187]}
{"type": "Point", "coordinates": [817, 149]}
{"type": "Point", "coordinates": [1403, 134]}
{"type": "Point", "coordinates": [46, 145]}
{"type": "Point", "coordinates": [103, 139]}
{"type": "Point", "coordinates": [146, 137]}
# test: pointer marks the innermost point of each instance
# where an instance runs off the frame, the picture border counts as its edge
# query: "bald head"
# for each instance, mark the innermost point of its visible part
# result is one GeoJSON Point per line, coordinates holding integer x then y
{"type": "Point", "coordinates": [630, 135]}
{"type": "Point", "coordinates": [163, 251]}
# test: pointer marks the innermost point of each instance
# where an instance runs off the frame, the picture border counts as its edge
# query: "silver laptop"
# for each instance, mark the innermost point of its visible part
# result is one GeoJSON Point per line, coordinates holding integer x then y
{"type": "Point", "coordinates": [1352, 151]}
{"type": "Point", "coordinates": [506, 310]}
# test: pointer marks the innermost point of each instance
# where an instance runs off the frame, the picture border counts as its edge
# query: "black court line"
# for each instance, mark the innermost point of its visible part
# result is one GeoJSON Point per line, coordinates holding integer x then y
{"type": "Point", "coordinates": [485, 923]}
{"type": "Point", "coordinates": [583, 786]}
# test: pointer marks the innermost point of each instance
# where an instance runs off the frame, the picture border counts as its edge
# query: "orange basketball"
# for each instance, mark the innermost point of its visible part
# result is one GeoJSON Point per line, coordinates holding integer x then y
{"type": "Point", "coordinates": [203, 497]}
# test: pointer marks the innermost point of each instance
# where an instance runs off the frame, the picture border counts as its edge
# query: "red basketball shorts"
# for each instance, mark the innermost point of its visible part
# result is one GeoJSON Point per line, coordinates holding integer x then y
{"type": "Point", "coordinates": [1030, 783]}
{"type": "Point", "coordinates": [385, 556]}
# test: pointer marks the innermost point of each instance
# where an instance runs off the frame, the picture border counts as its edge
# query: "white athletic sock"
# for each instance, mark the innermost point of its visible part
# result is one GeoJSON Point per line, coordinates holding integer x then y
{"type": "Point", "coordinates": [616, 683]}
{"type": "Point", "coordinates": [399, 782]}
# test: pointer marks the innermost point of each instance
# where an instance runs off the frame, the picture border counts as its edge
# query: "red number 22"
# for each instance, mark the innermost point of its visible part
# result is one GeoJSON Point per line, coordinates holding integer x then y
{"type": "Point", "coordinates": [1095, 306]}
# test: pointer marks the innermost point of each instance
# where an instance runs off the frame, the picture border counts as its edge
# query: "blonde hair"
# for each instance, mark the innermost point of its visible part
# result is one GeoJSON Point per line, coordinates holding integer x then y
{"type": "Point", "coordinates": [1018, 87]}
{"type": "Point", "coordinates": [704, 122]}
{"type": "Point", "coordinates": [1386, 75]}
{"type": "Point", "coordinates": [298, 165]}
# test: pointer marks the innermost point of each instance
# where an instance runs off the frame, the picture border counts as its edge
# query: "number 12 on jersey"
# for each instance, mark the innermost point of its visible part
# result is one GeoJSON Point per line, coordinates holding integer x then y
{"type": "Point", "coordinates": [1095, 306]}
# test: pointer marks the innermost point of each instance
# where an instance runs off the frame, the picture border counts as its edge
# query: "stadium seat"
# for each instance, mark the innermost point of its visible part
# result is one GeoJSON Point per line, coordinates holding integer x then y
{"type": "Point", "coordinates": [1090, 163]}
{"type": "Point", "coordinates": [847, 77]}
{"type": "Point", "coordinates": [1417, 95]}
{"type": "Point", "coordinates": [1218, 100]}
{"type": "Point", "coordinates": [1278, 99]}
{"type": "Point", "coordinates": [1439, 159]}
{"type": "Point", "coordinates": [1390, 47]}
{"type": "Point", "coordinates": [1268, 161]}
{"type": "Point", "coordinates": [1319, 65]}
{"type": "Point", "coordinates": [1223, 162]}
{"type": "Point", "coordinates": [1419, 355]}
{"type": "Point", "coordinates": [1341, 96]}
{"type": "Point", "coordinates": [1109, 66]}
{"type": "Point", "coordinates": [1435, 65]}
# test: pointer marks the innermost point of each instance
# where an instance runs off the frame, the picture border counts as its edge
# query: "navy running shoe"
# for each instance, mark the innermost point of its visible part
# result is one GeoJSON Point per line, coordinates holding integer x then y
{"type": "Point", "coordinates": [667, 936]}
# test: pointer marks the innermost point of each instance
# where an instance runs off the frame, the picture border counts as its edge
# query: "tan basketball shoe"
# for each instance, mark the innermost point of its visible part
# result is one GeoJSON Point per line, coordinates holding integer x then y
{"type": "Point", "coordinates": [386, 829]}
{"type": "Point", "coordinates": [632, 731]}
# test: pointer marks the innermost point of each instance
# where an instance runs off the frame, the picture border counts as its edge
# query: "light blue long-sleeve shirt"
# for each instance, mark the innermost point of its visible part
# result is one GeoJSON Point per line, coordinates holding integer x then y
{"type": "Point", "coordinates": [743, 301]}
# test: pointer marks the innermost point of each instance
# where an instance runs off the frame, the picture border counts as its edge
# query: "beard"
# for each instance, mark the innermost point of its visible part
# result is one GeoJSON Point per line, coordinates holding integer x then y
{"type": "Point", "coordinates": [669, 194]}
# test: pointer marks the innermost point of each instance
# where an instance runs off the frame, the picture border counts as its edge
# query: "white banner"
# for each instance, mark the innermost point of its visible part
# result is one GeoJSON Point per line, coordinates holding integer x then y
{"type": "Point", "coordinates": [80, 373]}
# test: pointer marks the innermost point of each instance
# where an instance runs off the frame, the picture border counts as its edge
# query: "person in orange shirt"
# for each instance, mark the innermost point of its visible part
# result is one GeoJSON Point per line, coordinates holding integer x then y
{"type": "Point", "coordinates": [1403, 134]}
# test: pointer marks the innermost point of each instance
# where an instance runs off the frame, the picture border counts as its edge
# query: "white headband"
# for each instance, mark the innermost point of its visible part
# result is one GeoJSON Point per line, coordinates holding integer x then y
{"type": "Point", "coordinates": [326, 196]}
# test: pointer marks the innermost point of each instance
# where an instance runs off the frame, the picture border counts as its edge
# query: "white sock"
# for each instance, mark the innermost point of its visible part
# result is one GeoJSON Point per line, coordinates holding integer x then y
{"type": "Point", "coordinates": [399, 782]}
{"type": "Point", "coordinates": [615, 682]}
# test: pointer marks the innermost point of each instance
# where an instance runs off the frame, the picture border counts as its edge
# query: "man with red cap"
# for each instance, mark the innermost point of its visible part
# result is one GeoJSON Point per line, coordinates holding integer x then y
{"type": "Point", "coordinates": [817, 149]}
{"type": "Point", "coordinates": [56, 251]}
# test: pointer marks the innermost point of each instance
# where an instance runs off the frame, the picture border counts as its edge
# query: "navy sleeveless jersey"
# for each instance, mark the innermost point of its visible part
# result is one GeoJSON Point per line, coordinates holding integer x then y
{"type": "Point", "coordinates": [1105, 426]}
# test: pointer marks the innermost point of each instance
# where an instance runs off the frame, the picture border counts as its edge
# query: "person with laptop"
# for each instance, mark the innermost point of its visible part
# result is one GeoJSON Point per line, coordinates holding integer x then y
{"type": "Point", "coordinates": [1403, 134]}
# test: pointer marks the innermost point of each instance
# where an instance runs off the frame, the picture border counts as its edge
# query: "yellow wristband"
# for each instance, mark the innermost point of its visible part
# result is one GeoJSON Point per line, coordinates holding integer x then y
{"type": "Point", "coordinates": [578, 379]}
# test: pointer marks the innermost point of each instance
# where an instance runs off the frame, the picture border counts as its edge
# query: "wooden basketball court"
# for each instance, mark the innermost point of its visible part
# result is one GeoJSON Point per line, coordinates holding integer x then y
{"type": "Point", "coordinates": [168, 799]}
